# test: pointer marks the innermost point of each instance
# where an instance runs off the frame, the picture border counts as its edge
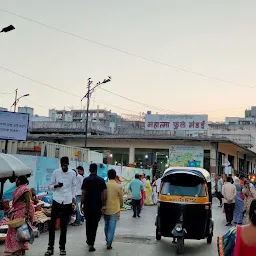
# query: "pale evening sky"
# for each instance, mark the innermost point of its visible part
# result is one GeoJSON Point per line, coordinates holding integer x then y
{"type": "Point", "coordinates": [215, 38]}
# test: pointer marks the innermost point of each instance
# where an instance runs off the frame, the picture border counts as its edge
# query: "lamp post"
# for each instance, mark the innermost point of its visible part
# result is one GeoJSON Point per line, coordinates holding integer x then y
{"type": "Point", "coordinates": [17, 99]}
{"type": "Point", "coordinates": [88, 96]}
{"type": "Point", "coordinates": [7, 29]}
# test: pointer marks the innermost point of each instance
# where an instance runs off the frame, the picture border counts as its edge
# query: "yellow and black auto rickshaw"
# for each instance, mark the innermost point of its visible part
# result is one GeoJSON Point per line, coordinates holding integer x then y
{"type": "Point", "coordinates": [185, 206]}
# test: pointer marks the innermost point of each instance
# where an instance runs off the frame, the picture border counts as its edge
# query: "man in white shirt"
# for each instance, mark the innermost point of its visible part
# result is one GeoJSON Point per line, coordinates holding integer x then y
{"type": "Point", "coordinates": [63, 182]}
{"type": "Point", "coordinates": [229, 194]}
{"type": "Point", "coordinates": [79, 178]}
{"type": "Point", "coordinates": [219, 189]}
{"type": "Point", "coordinates": [158, 185]}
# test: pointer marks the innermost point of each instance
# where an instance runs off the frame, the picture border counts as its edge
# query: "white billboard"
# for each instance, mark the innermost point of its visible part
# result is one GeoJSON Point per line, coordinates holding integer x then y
{"type": "Point", "coordinates": [13, 126]}
{"type": "Point", "coordinates": [176, 122]}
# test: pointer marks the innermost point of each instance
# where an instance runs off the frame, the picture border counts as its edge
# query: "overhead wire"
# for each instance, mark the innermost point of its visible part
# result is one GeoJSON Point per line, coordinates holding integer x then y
{"type": "Point", "coordinates": [122, 51]}
{"type": "Point", "coordinates": [127, 52]}
{"type": "Point", "coordinates": [58, 89]}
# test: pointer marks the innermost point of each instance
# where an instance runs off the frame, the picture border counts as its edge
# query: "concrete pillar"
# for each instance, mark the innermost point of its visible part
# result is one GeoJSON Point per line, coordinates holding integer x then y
{"type": "Point", "coordinates": [131, 155]}
{"type": "Point", "coordinates": [214, 158]}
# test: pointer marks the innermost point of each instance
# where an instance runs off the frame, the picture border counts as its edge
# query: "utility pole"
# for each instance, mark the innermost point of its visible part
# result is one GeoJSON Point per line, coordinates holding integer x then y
{"type": "Point", "coordinates": [15, 101]}
{"type": "Point", "coordinates": [88, 96]}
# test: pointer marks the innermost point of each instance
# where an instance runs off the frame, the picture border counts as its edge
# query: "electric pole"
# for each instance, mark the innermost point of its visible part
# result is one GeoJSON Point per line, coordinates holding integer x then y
{"type": "Point", "coordinates": [88, 96]}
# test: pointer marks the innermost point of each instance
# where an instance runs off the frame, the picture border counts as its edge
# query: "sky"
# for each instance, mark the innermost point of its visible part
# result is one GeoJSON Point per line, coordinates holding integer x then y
{"type": "Point", "coordinates": [139, 44]}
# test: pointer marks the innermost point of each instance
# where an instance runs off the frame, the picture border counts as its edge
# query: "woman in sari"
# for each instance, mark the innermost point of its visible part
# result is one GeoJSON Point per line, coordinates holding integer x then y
{"type": "Point", "coordinates": [22, 207]}
{"type": "Point", "coordinates": [240, 240]}
{"type": "Point", "coordinates": [239, 203]}
{"type": "Point", "coordinates": [250, 194]}
{"type": "Point", "coordinates": [148, 200]}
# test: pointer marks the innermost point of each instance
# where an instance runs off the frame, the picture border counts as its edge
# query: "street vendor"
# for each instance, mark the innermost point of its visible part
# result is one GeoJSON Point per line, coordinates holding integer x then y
{"type": "Point", "coordinates": [6, 208]}
{"type": "Point", "coordinates": [34, 198]}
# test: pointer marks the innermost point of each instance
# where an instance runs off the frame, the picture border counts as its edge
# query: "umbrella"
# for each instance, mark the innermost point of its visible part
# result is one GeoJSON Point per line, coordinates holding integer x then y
{"type": "Point", "coordinates": [11, 166]}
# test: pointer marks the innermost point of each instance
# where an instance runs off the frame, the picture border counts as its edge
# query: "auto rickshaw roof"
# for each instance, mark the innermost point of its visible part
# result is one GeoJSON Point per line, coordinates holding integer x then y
{"type": "Point", "coordinates": [200, 172]}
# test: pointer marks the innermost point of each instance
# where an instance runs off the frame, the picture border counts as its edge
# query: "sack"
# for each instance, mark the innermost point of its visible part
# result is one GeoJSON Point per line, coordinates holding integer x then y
{"type": "Point", "coordinates": [25, 233]}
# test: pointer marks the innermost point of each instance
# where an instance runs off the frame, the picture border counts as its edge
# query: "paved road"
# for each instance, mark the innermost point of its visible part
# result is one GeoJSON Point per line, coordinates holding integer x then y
{"type": "Point", "coordinates": [133, 237]}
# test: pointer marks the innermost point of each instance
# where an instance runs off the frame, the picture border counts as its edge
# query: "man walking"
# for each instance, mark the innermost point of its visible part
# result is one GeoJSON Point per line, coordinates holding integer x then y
{"type": "Point", "coordinates": [136, 186]}
{"type": "Point", "coordinates": [114, 201]}
{"type": "Point", "coordinates": [63, 182]}
{"type": "Point", "coordinates": [93, 203]}
{"type": "Point", "coordinates": [229, 194]}
{"type": "Point", "coordinates": [80, 179]}
{"type": "Point", "coordinates": [219, 189]}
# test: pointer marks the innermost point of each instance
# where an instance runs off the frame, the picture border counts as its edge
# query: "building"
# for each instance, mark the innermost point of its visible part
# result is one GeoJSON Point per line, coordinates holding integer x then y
{"type": "Point", "coordinates": [26, 110]}
{"type": "Point", "coordinates": [143, 150]}
{"type": "Point", "coordinates": [3, 109]}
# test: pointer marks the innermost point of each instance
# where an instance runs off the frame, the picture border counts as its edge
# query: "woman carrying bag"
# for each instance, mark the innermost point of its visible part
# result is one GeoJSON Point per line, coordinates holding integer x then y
{"type": "Point", "coordinates": [22, 209]}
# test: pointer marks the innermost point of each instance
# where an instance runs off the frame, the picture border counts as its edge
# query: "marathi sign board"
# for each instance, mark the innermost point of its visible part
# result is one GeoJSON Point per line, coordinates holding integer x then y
{"type": "Point", "coordinates": [176, 122]}
{"type": "Point", "coordinates": [186, 156]}
{"type": "Point", "coordinates": [13, 126]}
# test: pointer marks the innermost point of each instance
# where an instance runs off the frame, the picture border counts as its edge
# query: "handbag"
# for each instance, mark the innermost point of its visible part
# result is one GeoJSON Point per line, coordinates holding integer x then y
{"type": "Point", "coordinates": [25, 233]}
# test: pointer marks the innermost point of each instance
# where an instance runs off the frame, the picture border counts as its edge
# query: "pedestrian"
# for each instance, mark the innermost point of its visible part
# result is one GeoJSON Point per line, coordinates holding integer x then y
{"type": "Point", "coordinates": [93, 203]}
{"type": "Point", "coordinates": [219, 189]}
{"type": "Point", "coordinates": [79, 179]}
{"type": "Point", "coordinates": [250, 194]}
{"type": "Point", "coordinates": [154, 194]}
{"type": "Point", "coordinates": [63, 183]}
{"type": "Point", "coordinates": [113, 204]}
{"type": "Point", "coordinates": [143, 192]}
{"type": "Point", "coordinates": [242, 179]}
{"type": "Point", "coordinates": [239, 203]}
{"type": "Point", "coordinates": [240, 240]}
{"type": "Point", "coordinates": [22, 207]}
{"type": "Point", "coordinates": [149, 191]}
{"type": "Point", "coordinates": [136, 186]}
{"type": "Point", "coordinates": [120, 183]}
{"type": "Point", "coordinates": [229, 194]}
{"type": "Point", "coordinates": [158, 185]}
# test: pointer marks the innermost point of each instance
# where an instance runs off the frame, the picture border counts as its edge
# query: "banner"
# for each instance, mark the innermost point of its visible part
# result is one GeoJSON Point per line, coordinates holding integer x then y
{"type": "Point", "coordinates": [43, 168]}
{"type": "Point", "coordinates": [186, 156]}
{"type": "Point", "coordinates": [176, 122]}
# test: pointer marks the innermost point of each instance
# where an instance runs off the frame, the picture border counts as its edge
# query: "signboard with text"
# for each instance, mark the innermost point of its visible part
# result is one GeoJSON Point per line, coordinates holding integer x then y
{"type": "Point", "coordinates": [176, 122]}
{"type": "Point", "coordinates": [13, 126]}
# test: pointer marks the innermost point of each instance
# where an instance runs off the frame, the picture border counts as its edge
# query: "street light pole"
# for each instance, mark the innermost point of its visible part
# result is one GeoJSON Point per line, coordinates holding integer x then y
{"type": "Point", "coordinates": [17, 99]}
{"type": "Point", "coordinates": [88, 96]}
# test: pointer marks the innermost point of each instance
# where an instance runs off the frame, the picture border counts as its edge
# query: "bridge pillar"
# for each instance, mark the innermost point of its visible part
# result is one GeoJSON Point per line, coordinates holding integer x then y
{"type": "Point", "coordinates": [131, 155]}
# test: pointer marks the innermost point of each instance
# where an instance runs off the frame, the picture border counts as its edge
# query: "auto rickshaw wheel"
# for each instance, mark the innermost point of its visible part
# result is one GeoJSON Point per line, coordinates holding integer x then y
{"type": "Point", "coordinates": [158, 236]}
{"type": "Point", "coordinates": [180, 245]}
{"type": "Point", "coordinates": [209, 239]}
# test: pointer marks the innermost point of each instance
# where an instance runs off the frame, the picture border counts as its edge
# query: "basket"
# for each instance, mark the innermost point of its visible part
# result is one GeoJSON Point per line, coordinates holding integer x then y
{"type": "Point", "coordinates": [16, 223]}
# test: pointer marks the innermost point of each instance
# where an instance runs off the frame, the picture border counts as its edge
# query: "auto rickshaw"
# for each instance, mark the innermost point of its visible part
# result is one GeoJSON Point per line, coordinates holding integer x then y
{"type": "Point", "coordinates": [185, 206]}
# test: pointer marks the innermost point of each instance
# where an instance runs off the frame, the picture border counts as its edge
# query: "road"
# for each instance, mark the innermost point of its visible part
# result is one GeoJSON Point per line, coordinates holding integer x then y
{"type": "Point", "coordinates": [133, 237]}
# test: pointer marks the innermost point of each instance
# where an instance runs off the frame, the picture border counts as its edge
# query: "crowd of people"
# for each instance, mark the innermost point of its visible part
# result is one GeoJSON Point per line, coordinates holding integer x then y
{"type": "Point", "coordinates": [238, 196]}
{"type": "Point", "coordinates": [91, 197]}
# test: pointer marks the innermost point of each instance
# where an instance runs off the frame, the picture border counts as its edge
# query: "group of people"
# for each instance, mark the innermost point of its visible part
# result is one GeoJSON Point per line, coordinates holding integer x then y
{"type": "Point", "coordinates": [239, 198]}
{"type": "Point", "coordinates": [91, 195]}
{"type": "Point", "coordinates": [143, 192]}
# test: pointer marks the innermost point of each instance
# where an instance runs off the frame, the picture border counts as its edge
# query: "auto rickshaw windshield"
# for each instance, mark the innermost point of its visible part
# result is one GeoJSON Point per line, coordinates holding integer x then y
{"type": "Point", "coordinates": [183, 185]}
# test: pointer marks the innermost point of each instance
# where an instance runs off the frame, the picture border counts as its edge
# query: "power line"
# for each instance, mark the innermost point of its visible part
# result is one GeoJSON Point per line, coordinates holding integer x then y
{"type": "Point", "coordinates": [129, 53]}
{"type": "Point", "coordinates": [77, 96]}
{"type": "Point", "coordinates": [57, 89]}
{"type": "Point", "coordinates": [140, 103]}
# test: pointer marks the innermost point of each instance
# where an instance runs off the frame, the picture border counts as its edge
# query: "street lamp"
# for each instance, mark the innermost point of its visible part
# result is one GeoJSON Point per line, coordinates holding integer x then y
{"type": "Point", "coordinates": [88, 96]}
{"type": "Point", "coordinates": [17, 99]}
{"type": "Point", "coordinates": [7, 29]}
